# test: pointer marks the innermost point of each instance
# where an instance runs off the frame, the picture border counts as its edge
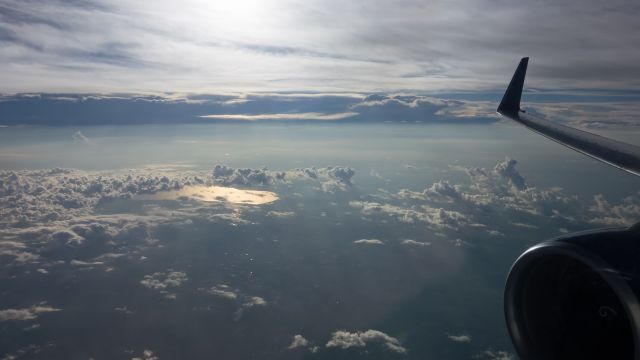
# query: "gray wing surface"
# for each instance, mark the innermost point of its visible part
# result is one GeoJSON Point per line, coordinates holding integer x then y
{"type": "Point", "coordinates": [619, 154]}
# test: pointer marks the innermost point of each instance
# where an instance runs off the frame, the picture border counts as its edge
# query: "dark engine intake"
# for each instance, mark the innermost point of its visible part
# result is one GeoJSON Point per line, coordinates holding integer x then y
{"type": "Point", "coordinates": [576, 297]}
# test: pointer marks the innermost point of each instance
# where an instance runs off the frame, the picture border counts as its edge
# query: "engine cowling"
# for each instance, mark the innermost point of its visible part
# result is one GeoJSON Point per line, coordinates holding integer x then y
{"type": "Point", "coordinates": [576, 297]}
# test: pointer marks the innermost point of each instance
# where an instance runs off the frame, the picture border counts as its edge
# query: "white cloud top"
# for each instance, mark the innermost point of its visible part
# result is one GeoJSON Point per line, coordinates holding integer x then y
{"type": "Point", "coordinates": [345, 339]}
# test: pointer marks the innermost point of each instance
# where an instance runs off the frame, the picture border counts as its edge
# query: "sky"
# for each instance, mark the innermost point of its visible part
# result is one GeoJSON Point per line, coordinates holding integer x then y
{"type": "Point", "coordinates": [198, 46]}
{"type": "Point", "coordinates": [294, 179]}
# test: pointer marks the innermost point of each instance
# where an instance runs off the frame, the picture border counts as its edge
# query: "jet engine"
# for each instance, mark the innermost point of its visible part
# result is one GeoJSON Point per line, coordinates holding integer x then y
{"type": "Point", "coordinates": [576, 297]}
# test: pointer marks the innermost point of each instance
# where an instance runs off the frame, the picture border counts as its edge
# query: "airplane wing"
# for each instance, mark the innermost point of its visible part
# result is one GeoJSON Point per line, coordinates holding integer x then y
{"type": "Point", "coordinates": [621, 155]}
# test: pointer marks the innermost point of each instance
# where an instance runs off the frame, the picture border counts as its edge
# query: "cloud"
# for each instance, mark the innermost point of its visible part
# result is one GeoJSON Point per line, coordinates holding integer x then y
{"type": "Point", "coordinates": [498, 355]}
{"type": "Point", "coordinates": [27, 314]}
{"type": "Point", "coordinates": [58, 210]}
{"type": "Point", "coordinates": [85, 263]}
{"type": "Point", "coordinates": [254, 301]}
{"type": "Point", "coordinates": [243, 300]}
{"type": "Point", "coordinates": [507, 169]}
{"type": "Point", "coordinates": [369, 242]}
{"type": "Point", "coordinates": [131, 46]}
{"type": "Point", "coordinates": [280, 214]}
{"type": "Point", "coordinates": [223, 291]}
{"type": "Point", "coordinates": [79, 136]}
{"type": "Point", "coordinates": [17, 251]}
{"type": "Point", "coordinates": [410, 242]}
{"type": "Point", "coordinates": [298, 342]}
{"type": "Point", "coordinates": [622, 214]}
{"type": "Point", "coordinates": [164, 281]}
{"type": "Point", "coordinates": [589, 112]}
{"type": "Point", "coordinates": [605, 109]}
{"type": "Point", "coordinates": [420, 108]}
{"type": "Point", "coordinates": [500, 192]}
{"type": "Point", "coordinates": [146, 355]}
{"type": "Point", "coordinates": [345, 339]}
{"type": "Point", "coordinates": [27, 350]}
{"type": "Point", "coordinates": [292, 116]}
{"type": "Point", "coordinates": [437, 218]}
{"type": "Point", "coordinates": [460, 338]}
{"type": "Point", "coordinates": [333, 178]}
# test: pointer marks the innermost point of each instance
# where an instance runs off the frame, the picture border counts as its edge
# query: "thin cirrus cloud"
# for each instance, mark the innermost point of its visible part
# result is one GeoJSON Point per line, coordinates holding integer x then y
{"type": "Point", "coordinates": [276, 45]}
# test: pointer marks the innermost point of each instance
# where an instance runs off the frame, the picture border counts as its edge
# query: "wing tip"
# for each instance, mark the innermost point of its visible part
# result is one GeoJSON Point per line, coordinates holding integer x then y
{"type": "Point", "coordinates": [510, 104]}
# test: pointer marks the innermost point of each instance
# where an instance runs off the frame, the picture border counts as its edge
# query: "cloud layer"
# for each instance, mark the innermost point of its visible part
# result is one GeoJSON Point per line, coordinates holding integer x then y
{"type": "Point", "coordinates": [312, 45]}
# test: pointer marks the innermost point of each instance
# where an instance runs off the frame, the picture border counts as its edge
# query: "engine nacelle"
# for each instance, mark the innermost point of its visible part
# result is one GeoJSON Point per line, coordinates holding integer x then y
{"type": "Point", "coordinates": [576, 297]}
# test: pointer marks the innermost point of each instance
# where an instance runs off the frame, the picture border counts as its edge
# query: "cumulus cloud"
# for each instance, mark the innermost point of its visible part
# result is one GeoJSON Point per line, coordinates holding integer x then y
{"type": "Point", "coordinates": [345, 339]}
{"type": "Point", "coordinates": [164, 281]}
{"type": "Point", "coordinates": [146, 355]}
{"type": "Point", "coordinates": [223, 291]}
{"type": "Point", "coordinates": [58, 212]}
{"type": "Point", "coordinates": [507, 169]}
{"type": "Point", "coordinates": [623, 214]}
{"type": "Point", "coordinates": [31, 313]}
{"type": "Point", "coordinates": [243, 300]}
{"type": "Point", "coordinates": [330, 178]}
{"type": "Point", "coordinates": [501, 190]}
{"type": "Point", "coordinates": [60, 209]}
{"type": "Point", "coordinates": [33, 197]}
{"type": "Point", "coordinates": [369, 242]}
{"type": "Point", "coordinates": [437, 218]}
{"type": "Point", "coordinates": [254, 301]}
{"type": "Point", "coordinates": [17, 251]}
{"type": "Point", "coordinates": [298, 342]}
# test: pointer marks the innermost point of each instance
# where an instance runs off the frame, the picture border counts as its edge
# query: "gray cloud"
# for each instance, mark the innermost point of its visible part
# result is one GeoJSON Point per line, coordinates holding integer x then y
{"type": "Point", "coordinates": [498, 355]}
{"type": "Point", "coordinates": [369, 242]}
{"type": "Point", "coordinates": [254, 301]}
{"type": "Point", "coordinates": [410, 242]}
{"type": "Point", "coordinates": [205, 46]}
{"type": "Point", "coordinates": [603, 114]}
{"type": "Point", "coordinates": [244, 301]}
{"type": "Point", "coordinates": [223, 291]}
{"type": "Point", "coordinates": [437, 218]}
{"type": "Point", "coordinates": [146, 355]}
{"type": "Point", "coordinates": [31, 313]}
{"type": "Point", "coordinates": [460, 338]}
{"type": "Point", "coordinates": [345, 339]}
{"type": "Point", "coordinates": [163, 282]}
{"type": "Point", "coordinates": [330, 178]}
{"type": "Point", "coordinates": [622, 214]}
{"type": "Point", "coordinates": [498, 192]}
{"type": "Point", "coordinates": [298, 342]}
{"type": "Point", "coordinates": [79, 136]}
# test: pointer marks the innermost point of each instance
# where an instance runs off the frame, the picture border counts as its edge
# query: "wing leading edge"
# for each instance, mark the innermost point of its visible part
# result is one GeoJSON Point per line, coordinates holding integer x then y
{"type": "Point", "coordinates": [621, 155]}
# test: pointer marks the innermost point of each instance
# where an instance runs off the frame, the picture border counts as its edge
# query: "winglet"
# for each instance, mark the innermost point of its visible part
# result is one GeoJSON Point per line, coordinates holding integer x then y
{"type": "Point", "coordinates": [510, 104]}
